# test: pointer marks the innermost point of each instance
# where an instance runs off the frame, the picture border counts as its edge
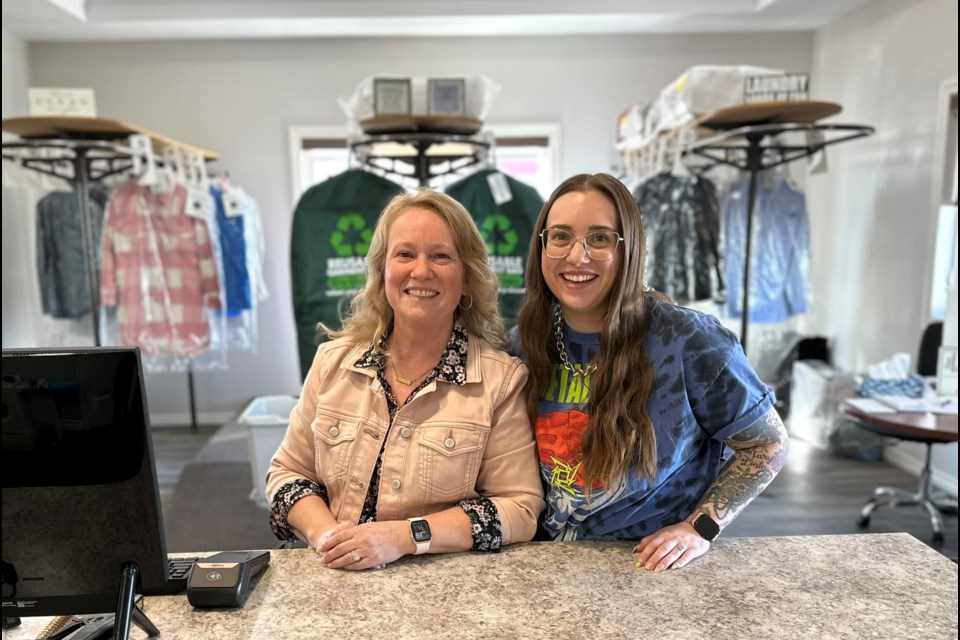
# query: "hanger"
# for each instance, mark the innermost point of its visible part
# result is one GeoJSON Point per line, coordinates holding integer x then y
{"type": "Point", "coordinates": [681, 140]}
{"type": "Point", "coordinates": [144, 162]}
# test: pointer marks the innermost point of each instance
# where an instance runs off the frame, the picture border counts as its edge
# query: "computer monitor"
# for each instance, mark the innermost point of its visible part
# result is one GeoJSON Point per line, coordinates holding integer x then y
{"type": "Point", "coordinates": [80, 495]}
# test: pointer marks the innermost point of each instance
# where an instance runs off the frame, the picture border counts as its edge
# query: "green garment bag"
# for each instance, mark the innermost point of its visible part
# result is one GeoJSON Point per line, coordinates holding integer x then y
{"type": "Point", "coordinates": [504, 209]}
{"type": "Point", "coordinates": [332, 227]}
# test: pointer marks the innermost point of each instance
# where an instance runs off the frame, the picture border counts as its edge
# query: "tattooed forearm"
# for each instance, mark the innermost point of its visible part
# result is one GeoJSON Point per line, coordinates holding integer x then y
{"type": "Point", "coordinates": [760, 451]}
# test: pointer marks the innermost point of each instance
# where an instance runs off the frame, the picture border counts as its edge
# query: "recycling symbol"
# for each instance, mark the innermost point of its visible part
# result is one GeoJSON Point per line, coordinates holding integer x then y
{"type": "Point", "coordinates": [351, 237]}
{"type": "Point", "coordinates": [498, 234]}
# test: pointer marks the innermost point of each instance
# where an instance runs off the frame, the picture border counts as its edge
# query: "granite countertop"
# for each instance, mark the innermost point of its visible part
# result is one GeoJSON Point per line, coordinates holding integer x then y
{"type": "Point", "coordinates": [849, 586]}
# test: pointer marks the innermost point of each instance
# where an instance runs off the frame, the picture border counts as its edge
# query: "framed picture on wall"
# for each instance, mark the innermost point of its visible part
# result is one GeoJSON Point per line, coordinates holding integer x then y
{"type": "Point", "coordinates": [391, 97]}
{"type": "Point", "coordinates": [446, 96]}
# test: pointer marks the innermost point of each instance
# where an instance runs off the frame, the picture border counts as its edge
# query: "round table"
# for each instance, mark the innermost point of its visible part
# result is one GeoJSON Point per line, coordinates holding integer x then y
{"type": "Point", "coordinates": [915, 426]}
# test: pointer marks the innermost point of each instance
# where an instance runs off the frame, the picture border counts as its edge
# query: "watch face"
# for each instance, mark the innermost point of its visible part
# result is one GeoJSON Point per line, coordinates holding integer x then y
{"type": "Point", "coordinates": [420, 530]}
{"type": "Point", "coordinates": [707, 528]}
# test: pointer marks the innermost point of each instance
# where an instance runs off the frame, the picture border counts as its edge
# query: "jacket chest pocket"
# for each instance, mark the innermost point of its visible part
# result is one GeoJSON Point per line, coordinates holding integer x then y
{"type": "Point", "coordinates": [450, 460]}
{"type": "Point", "coordinates": [333, 443]}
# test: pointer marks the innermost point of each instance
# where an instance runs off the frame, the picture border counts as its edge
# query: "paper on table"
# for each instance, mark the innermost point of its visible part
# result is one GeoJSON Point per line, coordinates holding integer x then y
{"type": "Point", "coordinates": [931, 404]}
{"type": "Point", "coordinates": [946, 405]}
{"type": "Point", "coordinates": [869, 405]}
{"type": "Point", "coordinates": [902, 403]}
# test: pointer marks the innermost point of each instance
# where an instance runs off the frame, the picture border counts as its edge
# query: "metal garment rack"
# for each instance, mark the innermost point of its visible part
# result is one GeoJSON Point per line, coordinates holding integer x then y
{"type": "Point", "coordinates": [426, 166]}
{"type": "Point", "coordinates": [745, 148]}
{"type": "Point", "coordinates": [82, 162]}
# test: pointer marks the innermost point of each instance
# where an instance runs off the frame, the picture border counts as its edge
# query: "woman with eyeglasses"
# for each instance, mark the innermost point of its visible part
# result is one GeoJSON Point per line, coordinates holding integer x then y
{"type": "Point", "coordinates": [635, 399]}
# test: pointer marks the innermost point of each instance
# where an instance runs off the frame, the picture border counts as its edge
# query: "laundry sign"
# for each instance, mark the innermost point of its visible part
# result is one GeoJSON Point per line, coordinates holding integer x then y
{"type": "Point", "coordinates": [785, 87]}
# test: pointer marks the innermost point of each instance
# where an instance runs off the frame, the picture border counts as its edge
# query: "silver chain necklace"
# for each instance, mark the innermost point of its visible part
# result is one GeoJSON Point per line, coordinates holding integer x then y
{"type": "Point", "coordinates": [564, 359]}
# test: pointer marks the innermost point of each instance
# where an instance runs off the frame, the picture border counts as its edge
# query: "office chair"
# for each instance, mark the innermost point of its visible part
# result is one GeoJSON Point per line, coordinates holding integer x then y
{"type": "Point", "coordinates": [929, 349]}
{"type": "Point", "coordinates": [892, 497]}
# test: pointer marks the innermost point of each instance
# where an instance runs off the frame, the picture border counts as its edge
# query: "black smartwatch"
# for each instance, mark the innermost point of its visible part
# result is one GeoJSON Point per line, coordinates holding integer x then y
{"type": "Point", "coordinates": [420, 532]}
{"type": "Point", "coordinates": [707, 527]}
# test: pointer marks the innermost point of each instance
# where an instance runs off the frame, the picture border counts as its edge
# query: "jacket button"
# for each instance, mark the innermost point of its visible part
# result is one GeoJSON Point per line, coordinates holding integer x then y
{"type": "Point", "coordinates": [449, 443]}
{"type": "Point", "coordinates": [395, 484]}
{"type": "Point", "coordinates": [334, 431]}
{"type": "Point", "coordinates": [405, 432]}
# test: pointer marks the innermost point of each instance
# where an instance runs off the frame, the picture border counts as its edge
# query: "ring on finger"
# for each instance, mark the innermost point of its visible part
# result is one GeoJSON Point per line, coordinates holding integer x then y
{"type": "Point", "coordinates": [681, 548]}
{"type": "Point", "coordinates": [355, 555]}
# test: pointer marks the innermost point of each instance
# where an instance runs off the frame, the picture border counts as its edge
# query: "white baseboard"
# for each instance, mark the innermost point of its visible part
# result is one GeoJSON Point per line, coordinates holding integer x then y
{"type": "Point", "coordinates": [183, 419]}
{"type": "Point", "coordinates": [913, 465]}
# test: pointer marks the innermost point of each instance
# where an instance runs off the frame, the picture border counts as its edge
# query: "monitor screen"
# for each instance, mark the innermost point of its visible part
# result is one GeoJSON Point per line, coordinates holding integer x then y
{"type": "Point", "coordinates": [79, 482]}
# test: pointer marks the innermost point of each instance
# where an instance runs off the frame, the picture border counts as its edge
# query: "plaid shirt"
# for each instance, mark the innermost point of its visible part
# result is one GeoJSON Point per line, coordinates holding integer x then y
{"type": "Point", "coordinates": [157, 267]}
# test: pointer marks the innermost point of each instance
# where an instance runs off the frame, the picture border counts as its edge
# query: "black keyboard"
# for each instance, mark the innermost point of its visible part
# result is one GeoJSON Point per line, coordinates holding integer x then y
{"type": "Point", "coordinates": [177, 582]}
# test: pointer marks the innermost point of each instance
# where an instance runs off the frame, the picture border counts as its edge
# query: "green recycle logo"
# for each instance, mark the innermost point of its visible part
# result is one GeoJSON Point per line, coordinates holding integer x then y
{"type": "Point", "coordinates": [499, 235]}
{"type": "Point", "coordinates": [351, 236]}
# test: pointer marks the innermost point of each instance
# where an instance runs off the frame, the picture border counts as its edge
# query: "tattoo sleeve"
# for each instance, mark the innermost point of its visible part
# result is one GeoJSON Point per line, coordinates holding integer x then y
{"type": "Point", "coordinates": [759, 452]}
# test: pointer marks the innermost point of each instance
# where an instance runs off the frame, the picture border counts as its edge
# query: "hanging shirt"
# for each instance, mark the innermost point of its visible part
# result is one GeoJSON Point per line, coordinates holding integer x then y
{"type": "Point", "coordinates": [780, 252]}
{"type": "Point", "coordinates": [332, 227]}
{"type": "Point", "coordinates": [504, 209]}
{"type": "Point", "coordinates": [233, 250]}
{"type": "Point", "coordinates": [61, 265]}
{"type": "Point", "coordinates": [681, 220]}
{"type": "Point", "coordinates": [256, 247]}
{"type": "Point", "coordinates": [157, 267]}
{"type": "Point", "coordinates": [704, 393]}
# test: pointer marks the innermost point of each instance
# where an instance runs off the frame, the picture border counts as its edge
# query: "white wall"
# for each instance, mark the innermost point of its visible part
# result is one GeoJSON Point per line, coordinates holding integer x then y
{"type": "Point", "coordinates": [16, 74]}
{"type": "Point", "coordinates": [873, 214]}
{"type": "Point", "coordinates": [239, 98]}
{"type": "Point", "coordinates": [18, 292]}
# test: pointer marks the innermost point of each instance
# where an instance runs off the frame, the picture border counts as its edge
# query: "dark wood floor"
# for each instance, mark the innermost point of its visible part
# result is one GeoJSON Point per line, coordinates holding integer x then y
{"type": "Point", "coordinates": [174, 448]}
{"type": "Point", "coordinates": [817, 493]}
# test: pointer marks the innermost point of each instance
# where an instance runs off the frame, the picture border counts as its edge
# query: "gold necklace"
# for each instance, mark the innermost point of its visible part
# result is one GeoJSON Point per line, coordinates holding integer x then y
{"type": "Point", "coordinates": [583, 372]}
{"type": "Point", "coordinates": [407, 381]}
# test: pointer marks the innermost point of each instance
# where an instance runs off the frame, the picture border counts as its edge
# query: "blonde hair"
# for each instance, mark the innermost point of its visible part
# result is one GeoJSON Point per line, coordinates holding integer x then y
{"type": "Point", "coordinates": [371, 316]}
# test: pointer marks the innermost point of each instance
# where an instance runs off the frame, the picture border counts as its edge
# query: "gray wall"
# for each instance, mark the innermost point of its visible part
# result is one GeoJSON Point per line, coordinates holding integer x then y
{"type": "Point", "coordinates": [16, 75]}
{"type": "Point", "coordinates": [239, 98]}
{"type": "Point", "coordinates": [873, 215]}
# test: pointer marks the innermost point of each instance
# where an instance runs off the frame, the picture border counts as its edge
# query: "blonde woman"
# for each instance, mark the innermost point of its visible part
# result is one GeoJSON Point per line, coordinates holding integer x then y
{"type": "Point", "coordinates": [411, 435]}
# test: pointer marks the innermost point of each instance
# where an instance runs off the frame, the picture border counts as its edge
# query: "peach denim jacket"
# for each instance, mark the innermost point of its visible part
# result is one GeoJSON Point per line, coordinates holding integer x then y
{"type": "Point", "coordinates": [449, 443]}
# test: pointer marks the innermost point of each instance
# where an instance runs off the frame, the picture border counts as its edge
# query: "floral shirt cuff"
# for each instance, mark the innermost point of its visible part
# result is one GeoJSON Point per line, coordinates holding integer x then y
{"type": "Point", "coordinates": [283, 501]}
{"type": "Point", "coordinates": [484, 524]}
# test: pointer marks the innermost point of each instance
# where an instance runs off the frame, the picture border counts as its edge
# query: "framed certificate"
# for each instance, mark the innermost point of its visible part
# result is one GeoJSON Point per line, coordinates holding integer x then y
{"type": "Point", "coordinates": [446, 96]}
{"type": "Point", "coordinates": [391, 97]}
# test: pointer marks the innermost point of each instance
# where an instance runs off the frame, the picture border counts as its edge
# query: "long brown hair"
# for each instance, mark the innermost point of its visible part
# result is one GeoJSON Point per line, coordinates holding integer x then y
{"type": "Point", "coordinates": [370, 314]}
{"type": "Point", "coordinates": [620, 436]}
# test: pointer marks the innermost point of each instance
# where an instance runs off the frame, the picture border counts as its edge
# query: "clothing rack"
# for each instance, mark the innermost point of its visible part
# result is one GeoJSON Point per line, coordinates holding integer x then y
{"type": "Point", "coordinates": [424, 153]}
{"type": "Point", "coordinates": [81, 161]}
{"type": "Point", "coordinates": [755, 148]}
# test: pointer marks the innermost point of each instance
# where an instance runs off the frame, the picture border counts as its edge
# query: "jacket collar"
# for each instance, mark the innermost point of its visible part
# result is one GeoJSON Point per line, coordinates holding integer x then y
{"type": "Point", "coordinates": [366, 351]}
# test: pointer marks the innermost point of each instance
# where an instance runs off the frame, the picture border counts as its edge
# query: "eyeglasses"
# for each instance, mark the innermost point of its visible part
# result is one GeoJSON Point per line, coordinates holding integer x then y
{"type": "Point", "coordinates": [599, 245]}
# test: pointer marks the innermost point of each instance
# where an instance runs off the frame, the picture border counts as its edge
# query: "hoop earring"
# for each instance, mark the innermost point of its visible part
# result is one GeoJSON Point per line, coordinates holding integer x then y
{"type": "Point", "coordinates": [469, 306]}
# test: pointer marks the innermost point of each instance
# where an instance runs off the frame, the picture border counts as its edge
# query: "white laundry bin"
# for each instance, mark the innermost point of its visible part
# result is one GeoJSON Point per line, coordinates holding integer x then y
{"type": "Point", "coordinates": [266, 419]}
